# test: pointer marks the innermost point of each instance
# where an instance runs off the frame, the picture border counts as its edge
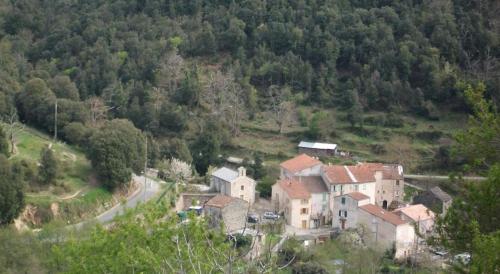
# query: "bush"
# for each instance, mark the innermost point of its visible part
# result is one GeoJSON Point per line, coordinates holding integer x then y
{"type": "Point", "coordinates": [391, 120]}
{"type": "Point", "coordinates": [76, 133]}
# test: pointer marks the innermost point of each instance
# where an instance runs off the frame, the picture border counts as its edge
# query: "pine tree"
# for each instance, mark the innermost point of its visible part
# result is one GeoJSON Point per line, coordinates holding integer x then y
{"type": "Point", "coordinates": [49, 166]}
{"type": "Point", "coordinates": [4, 145]}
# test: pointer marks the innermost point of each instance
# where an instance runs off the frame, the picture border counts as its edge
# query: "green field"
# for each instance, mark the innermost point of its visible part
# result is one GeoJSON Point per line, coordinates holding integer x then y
{"type": "Point", "coordinates": [76, 196]}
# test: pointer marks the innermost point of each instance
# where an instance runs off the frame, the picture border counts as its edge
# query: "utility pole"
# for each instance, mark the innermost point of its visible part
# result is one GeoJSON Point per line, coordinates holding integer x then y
{"type": "Point", "coordinates": [145, 169]}
{"type": "Point", "coordinates": [55, 121]}
{"type": "Point", "coordinates": [375, 222]}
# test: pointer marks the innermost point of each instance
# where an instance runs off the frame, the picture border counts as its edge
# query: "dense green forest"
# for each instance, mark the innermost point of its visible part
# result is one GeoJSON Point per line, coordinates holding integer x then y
{"type": "Point", "coordinates": [188, 72]}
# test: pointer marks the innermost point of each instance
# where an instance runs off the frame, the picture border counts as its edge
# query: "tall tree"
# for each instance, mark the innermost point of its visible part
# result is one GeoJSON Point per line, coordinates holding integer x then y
{"type": "Point", "coordinates": [11, 193]}
{"type": "Point", "coordinates": [4, 145]}
{"type": "Point", "coordinates": [116, 150]}
{"type": "Point", "coordinates": [49, 166]}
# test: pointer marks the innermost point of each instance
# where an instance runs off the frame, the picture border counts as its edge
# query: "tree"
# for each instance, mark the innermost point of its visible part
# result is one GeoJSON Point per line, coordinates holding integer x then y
{"type": "Point", "coordinates": [62, 87]}
{"type": "Point", "coordinates": [11, 193]}
{"type": "Point", "coordinates": [153, 243]}
{"type": "Point", "coordinates": [480, 142]}
{"type": "Point", "coordinates": [355, 112]}
{"type": "Point", "coordinates": [4, 145]}
{"type": "Point", "coordinates": [49, 166]}
{"type": "Point", "coordinates": [280, 105]}
{"type": "Point", "coordinates": [116, 150]}
{"type": "Point", "coordinates": [206, 148]}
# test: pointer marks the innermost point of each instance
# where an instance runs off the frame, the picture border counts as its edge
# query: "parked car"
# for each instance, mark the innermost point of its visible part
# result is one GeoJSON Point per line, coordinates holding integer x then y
{"type": "Point", "coordinates": [463, 258]}
{"type": "Point", "coordinates": [197, 210]}
{"type": "Point", "coordinates": [253, 218]}
{"type": "Point", "coordinates": [271, 215]}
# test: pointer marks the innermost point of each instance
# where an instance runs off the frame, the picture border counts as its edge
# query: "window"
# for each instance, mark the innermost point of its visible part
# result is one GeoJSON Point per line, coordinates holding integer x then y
{"type": "Point", "coordinates": [242, 187]}
{"type": "Point", "coordinates": [334, 188]}
{"type": "Point", "coordinates": [397, 182]}
{"type": "Point", "coordinates": [345, 213]}
{"type": "Point", "coordinates": [343, 200]}
{"type": "Point", "coordinates": [303, 210]}
{"type": "Point", "coordinates": [356, 187]}
{"type": "Point", "coordinates": [340, 213]}
{"type": "Point", "coordinates": [383, 191]}
{"type": "Point", "coordinates": [303, 201]}
{"type": "Point", "coordinates": [397, 192]}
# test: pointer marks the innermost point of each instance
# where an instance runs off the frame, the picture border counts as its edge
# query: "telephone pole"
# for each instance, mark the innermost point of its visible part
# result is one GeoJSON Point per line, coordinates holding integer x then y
{"type": "Point", "coordinates": [145, 169]}
{"type": "Point", "coordinates": [55, 121]}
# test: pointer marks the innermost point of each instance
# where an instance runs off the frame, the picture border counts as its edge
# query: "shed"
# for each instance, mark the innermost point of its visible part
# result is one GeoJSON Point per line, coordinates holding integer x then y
{"type": "Point", "coordinates": [317, 149]}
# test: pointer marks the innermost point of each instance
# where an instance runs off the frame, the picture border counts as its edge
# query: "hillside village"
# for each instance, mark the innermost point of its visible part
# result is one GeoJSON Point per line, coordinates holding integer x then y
{"type": "Point", "coordinates": [315, 201]}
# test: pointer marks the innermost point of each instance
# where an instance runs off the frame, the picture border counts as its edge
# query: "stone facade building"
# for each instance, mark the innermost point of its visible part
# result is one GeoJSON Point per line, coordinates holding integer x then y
{"type": "Point", "coordinates": [347, 209]}
{"type": "Point", "coordinates": [435, 199]}
{"type": "Point", "coordinates": [230, 211]}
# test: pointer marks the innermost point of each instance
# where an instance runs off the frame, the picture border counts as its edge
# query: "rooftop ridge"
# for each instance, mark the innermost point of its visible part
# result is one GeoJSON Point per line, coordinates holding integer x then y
{"type": "Point", "coordinates": [353, 178]}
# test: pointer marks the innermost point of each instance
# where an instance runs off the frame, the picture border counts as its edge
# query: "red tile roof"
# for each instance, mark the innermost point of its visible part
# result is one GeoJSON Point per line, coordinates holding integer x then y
{"type": "Point", "coordinates": [358, 196]}
{"type": "Point", "coordinates": [220, 201]}
{"type": "Point", "coordinates": [337, 174]}
{"type": "Point", "coordinates": [417, 212]}
{"type": "Point", "coordinates": [294, 189]}
{"type": "Point", "coordinates": [348, 174]}
{"type": "Point", "coordinates": [362, 174]}
{"type": "Point", "coordinates": [383, 214]}
{"type": "Point", "coordinates": [299, 163]}
{"type": "Point", "coordinates": [389, 171]}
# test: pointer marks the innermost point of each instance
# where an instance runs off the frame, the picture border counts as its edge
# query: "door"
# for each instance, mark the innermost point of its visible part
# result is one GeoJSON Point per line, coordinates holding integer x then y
{"type": "Point", "coordinates": [342, 224]}
{"type": "Point", "coordinates": [384, 204]}
{"type": "Point", "coordinates": [304, 224]}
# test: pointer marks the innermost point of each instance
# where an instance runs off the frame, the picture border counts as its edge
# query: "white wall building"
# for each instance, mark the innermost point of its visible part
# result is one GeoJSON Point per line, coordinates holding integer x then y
{"type": "Point", "coordinates": [347, 206]}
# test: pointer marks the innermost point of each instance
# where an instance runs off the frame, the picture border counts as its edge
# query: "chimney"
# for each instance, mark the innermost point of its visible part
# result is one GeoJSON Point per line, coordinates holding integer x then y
{"type": "Point", "coordinates": [242, 172]}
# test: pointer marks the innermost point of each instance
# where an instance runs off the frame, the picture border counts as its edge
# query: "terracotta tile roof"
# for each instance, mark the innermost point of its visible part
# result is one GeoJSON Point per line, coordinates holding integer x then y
{"type": "Point", "coordinates": [348, 174]}
{"type": "Point", "coordinates": [362, 174]}
{"type": "Point", "coordinates": [389, 171]}
{"type": "Point", "coordinates": [299, 163]}
{"type": "Point", "coordinates": [358, 196]}
{"type": "Point", "coordinates": [220, 201]}
{"type": "Point", "coordinates": [313, 184]}
{"type": "Point", "coordinates": [337, 174]}
{"type": "Point", "coordinates": [294, 189]}
{"type": "Point", "coordinates": [383, 214]}
{"type": "Point", "coordinates": [417, 212]}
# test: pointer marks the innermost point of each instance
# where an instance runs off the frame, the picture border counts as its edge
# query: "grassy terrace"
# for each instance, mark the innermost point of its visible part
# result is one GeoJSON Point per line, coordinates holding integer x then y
{"type": "Point", "coordinates": [74, 193]}
{"type": "Point", "coordinates": [416, 137]}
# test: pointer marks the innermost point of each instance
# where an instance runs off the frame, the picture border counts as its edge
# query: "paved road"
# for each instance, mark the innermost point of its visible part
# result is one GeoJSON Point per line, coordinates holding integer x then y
{"type": "Point", "coordinates": [442, 177]}
{"type": "Point", "coordinates": [139, 196]}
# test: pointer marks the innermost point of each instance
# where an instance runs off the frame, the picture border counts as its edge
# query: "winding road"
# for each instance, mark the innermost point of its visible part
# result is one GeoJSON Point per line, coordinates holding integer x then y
{"type": "Point", "coordinates": [147, 190]}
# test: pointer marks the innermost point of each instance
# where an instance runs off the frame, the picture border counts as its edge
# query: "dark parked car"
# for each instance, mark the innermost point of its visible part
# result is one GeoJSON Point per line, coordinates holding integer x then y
{"type": "Point", "coordinates": [253, 218]}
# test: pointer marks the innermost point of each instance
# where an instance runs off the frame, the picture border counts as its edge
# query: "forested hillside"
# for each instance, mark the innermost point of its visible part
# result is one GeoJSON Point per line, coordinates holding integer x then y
{"type": "Point", "coordinates": [189, 72]}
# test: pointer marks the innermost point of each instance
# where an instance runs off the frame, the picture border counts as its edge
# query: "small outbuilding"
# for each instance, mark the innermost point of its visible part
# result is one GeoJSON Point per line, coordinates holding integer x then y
{"type": "Point", "coordinates": [317, 149]}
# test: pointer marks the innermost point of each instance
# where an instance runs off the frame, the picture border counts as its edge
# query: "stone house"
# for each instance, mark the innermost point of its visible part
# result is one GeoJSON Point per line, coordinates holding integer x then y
{"type": "Point", "coordinates": [389, 187]}
{"type": "Point", "coordinates": [418, 214]}
{"type": "Point", "coordinates": [230, 211]}
{"type": "Point", "coordinates": [347, 205]}
{"type": "Point", "coordinates": [301, 165]}
{"type": "Point", "coordinates": [387, 230]}
{"type": "Point", "coordinates": [435, 199]}
{"type": "Point", "coordinates": [317, 149]}
{"type": "Point", "coordinates": [233, 183]}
